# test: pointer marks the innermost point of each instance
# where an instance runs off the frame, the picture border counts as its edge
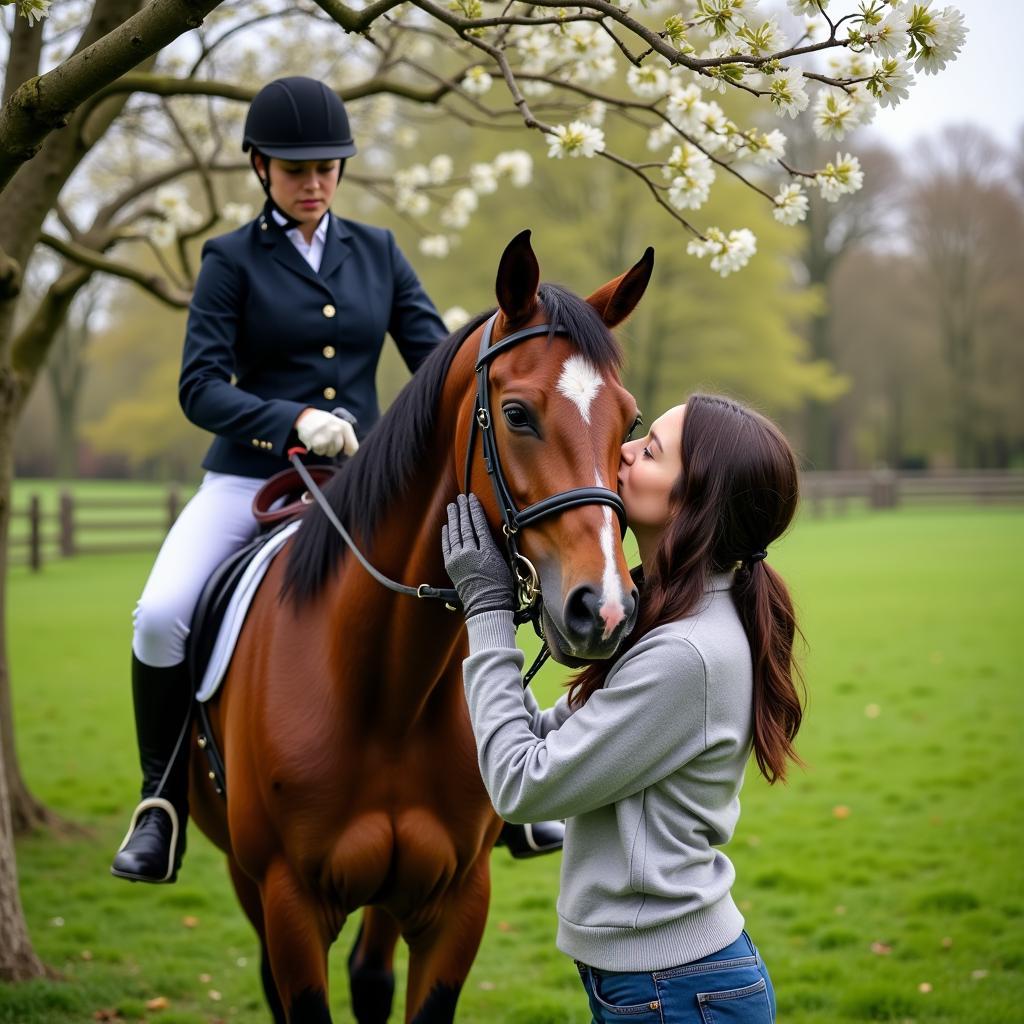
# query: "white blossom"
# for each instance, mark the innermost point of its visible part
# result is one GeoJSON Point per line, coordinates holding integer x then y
{"type": "Point", "coordinates": [890, 38]}
{"type": "Point", "coordinates": [660, 137]}
{"type": "Point", "coordinates": [436, 246]}
{"type": "Point", "coordinates": [34, 10]}
{"type": "Point", "coordinates": [483, 178]}
{"type": "Point", "coordinates": [405, 136]}
{"type": "Point", "coordinates": [940, 40]}
{"type": "Point", "coordinates": [237, 213]}
{"type": "Point", "coordinates": [174, 205]}
{"type": "Point", "coordinates": [692, 175]}
{"type": "Point", "coordinates": [440, 169]}
{"type": "Point", "coordinates": [728, 253]}
{"type": "Point", "coordinates": [791, 204]}
{"type": "Point", "coordinates": [807, 7]}
{"type": "Point", "coordinates": [594, 113]}
{"type": "Point", "coordinates": [891, 82]}
{"type": "Point", "coordinates": [455, 318]}
{"type": "Point", "coordinates": [786, 91]}
{"type": "Point", "coordinates": [408, 200]}
{"type": "Point", "coordinates": [533, 88]}
{"type": "Point", "coordinates": [648, 81]}
{"type": "Point", "coordinates": [517, 164]}
{"type": "Point", "coordinates": [834, 114]}
{"type": "Point", "coordinates": [840, 177]}
{"type": "Point", "coordinates": [575, 139]}
{"type": "Point", "coordinates": [162, 234]}
{"type": "Point", "coordinates": [477, 81]}
{"type": "Point", "coordinates": [412, 177]}
{"type": "Point", "coordinates": [765, 148]}
{"type": "Point", "coordinates": [536, 47]}
{"type": "Point", "coordinates": [685, 107]}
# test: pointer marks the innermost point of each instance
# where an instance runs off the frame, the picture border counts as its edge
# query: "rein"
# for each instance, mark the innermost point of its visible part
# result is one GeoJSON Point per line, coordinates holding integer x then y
{"type": "Point", "coordinates": [513, 519]}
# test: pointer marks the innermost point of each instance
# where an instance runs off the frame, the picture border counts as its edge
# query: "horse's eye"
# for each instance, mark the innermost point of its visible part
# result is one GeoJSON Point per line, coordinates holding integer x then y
{"type": "Point", "coordinates": [638, 422]}
{"type": "Point", "coordinates": [516, 417]}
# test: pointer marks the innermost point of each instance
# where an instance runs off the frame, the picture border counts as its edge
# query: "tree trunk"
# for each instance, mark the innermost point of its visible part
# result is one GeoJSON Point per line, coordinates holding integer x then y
{"type": "Point", "coordinates": [18, 960]}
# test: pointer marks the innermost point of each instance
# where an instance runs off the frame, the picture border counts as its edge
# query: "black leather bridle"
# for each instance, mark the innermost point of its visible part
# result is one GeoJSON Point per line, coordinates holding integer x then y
{"type": "Point", "coordinates": [513, 519]}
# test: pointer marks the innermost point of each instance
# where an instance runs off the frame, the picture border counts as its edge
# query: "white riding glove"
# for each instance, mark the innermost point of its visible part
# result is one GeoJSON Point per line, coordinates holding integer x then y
{"type": "Point", "coordinates": [326, 434]}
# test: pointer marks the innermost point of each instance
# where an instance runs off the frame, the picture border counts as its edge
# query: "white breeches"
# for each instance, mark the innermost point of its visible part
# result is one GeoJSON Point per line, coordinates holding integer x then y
{"type": "Point", "coordinates": [216, 522]}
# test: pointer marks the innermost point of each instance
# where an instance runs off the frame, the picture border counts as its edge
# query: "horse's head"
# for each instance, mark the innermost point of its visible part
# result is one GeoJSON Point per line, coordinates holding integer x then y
{"type": "Point", "coordinates": [558, 415]}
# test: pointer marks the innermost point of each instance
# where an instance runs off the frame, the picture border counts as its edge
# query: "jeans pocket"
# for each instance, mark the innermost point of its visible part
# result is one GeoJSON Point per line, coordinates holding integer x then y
{"type": "Point", "coordinates": [625, 997]}
{"type": "Point", "coordinates": [747, 1005]}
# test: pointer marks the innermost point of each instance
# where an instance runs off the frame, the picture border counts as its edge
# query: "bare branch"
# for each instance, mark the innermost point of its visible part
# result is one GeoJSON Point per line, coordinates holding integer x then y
{"type": "Point", "coordinates": [153, 284]}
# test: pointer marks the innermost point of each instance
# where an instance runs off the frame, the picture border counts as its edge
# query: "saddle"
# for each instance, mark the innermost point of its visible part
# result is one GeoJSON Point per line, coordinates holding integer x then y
{"type": "Point", "coordinates": [286, 491]}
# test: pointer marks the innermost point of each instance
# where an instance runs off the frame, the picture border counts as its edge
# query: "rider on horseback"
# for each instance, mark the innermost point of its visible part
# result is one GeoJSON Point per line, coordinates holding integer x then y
{"type": "Point", "coordinates": [272, 310]}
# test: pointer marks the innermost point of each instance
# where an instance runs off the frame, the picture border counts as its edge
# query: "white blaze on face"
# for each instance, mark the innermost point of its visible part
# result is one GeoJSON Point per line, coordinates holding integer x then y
{"type": "Point", "coordinates": [612, 611]}
{"type": "Point", "coordinates": [580, 382]}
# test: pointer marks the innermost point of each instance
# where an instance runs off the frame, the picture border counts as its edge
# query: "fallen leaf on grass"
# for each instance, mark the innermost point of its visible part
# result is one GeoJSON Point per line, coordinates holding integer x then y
{"type": "Point", "coordinates": [205, 979]}
{"type": "Point", "coordinates": [947, 942]}
{"type": "Point", "coordinates": [158, 1003]}
{"type": "Point", "coordinates": [189, 921]}
{"type": "Point", "coordinates": [840, 811]}
{"type": "Point", "coordinates": [106, 1014]}
{"type": "Point", "coordinates": [925, 987]}
{"type": "Point", "coordinates": [880, 949]}
{"type": "Point", "coordinates": [872, 711]}
{"type": "Point", "coordinates": [214, 995]}
{"type": "Point", "coordinates": [487, 986]}
{"type": "Point", "coordinates": [504, 926]}
{"type": "Point", "coordinates": [979, 974]}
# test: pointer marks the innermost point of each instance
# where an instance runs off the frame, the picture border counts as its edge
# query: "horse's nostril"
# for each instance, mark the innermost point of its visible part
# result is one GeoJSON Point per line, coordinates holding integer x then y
{"type": "Point", "coordinates": [582, 611]}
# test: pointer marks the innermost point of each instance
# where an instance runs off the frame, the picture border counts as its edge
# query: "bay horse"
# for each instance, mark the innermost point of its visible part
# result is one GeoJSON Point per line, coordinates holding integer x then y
{"type": "Point", "coordinates": [351, 764]}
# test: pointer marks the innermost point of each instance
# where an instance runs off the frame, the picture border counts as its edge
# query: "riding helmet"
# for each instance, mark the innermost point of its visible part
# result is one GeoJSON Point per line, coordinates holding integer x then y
{"type": "Point", "coordinates": [298, 118]}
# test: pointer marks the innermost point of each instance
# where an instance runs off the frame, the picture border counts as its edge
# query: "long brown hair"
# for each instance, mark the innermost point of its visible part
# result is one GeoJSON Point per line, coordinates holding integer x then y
{"type": "Point", "coordinates": [736, 494]}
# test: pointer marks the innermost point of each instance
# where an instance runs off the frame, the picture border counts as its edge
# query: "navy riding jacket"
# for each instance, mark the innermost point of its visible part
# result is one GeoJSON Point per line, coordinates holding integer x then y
{"type": "Point", "coordinates": [268, 336]}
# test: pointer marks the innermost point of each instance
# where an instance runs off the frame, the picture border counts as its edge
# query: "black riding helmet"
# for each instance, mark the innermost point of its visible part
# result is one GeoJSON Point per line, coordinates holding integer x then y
{"type": "Point", "coordinates": [297, 118]}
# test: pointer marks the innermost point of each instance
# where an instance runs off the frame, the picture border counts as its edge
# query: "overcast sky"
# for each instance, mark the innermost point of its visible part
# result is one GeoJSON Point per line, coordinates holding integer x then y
{"type": "Point", "coordinates": [980, 87]}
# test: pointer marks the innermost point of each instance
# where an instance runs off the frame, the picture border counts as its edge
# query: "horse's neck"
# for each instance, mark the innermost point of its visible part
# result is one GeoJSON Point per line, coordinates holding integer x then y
{"type": "Point", "coordinates": [415, 644]}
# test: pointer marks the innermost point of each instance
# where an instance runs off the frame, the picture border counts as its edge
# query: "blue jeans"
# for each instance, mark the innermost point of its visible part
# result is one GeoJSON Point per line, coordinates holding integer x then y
{"type": "Point", "coordinates": [728, 987]}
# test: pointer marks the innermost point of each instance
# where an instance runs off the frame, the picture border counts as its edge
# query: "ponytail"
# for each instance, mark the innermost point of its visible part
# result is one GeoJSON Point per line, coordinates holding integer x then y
{"type": "Point", "coordinates": [766, 611]}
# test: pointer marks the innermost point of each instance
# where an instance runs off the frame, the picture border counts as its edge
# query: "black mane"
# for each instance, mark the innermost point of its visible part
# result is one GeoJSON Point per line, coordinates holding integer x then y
{"type": "Point", "coordinates": [378, 475]}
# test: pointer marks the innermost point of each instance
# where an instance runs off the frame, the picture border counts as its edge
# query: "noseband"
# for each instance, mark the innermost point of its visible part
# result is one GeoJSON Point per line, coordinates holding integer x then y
{"type": "Point", "coordinates": [513, 519]}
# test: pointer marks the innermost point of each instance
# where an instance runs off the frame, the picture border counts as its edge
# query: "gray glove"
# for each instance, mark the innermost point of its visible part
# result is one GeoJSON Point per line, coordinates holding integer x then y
{"type": "Point", "coordinates": [473, 561]}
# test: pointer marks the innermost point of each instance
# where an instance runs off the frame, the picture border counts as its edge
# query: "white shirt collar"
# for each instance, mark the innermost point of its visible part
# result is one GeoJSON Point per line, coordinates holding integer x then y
{"type": "Point", "coordinates": [321, 229]}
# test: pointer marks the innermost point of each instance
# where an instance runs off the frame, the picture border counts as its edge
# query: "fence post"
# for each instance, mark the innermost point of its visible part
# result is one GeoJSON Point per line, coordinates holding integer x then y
{"type": "Point", "coordinates": [173, 506]}
{"type": "Point", "coordinates": [883, 488]}
{"type": "Point", "coordinates": [67, 524]}
{"type": "Point", "coordinates": [35, 550]}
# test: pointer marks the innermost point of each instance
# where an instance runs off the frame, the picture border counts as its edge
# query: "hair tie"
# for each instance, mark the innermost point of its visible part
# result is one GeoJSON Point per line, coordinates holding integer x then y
{"type": "Point", "coordinates": [757, 556]}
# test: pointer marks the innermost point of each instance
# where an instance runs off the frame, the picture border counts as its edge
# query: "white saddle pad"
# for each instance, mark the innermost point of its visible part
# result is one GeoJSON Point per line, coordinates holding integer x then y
{"type": "Point", "coordinates": [238, 607]}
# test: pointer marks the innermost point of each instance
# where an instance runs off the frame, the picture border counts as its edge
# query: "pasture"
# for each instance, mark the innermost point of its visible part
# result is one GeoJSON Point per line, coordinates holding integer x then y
{"type": "Point", "coordinates": [883, 883]}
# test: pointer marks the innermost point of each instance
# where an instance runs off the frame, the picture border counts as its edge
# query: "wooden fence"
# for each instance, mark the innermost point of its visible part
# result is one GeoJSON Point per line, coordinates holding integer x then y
{"type": "Point", "coordinates": [78, 527]}
{"type": "Point", "coordinates": [90, 526]}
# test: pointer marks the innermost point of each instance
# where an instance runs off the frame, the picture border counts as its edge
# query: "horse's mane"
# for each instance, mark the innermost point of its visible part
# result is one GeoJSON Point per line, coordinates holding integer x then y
{"type": "Point", "coordinates": [380, 472]}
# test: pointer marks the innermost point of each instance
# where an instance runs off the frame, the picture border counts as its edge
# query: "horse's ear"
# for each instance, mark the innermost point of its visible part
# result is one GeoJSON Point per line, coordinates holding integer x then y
{"type": "Point", "coordinates": [518, 279]}
{"type": "Point", "coordinates": [618, 298]}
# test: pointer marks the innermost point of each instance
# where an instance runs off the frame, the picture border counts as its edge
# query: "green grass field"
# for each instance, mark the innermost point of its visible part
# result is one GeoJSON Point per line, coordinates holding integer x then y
{"type": "Point", "coordinates": [883, 883]}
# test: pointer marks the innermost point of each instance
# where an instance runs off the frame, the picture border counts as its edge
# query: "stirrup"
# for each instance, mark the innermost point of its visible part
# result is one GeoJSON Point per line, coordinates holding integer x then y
{"type": "Point", "coordinates": [159, 803]}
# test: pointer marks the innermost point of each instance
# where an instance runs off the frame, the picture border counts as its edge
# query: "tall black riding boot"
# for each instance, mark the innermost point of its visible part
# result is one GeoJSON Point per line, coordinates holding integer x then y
{"type": "Point", "coordinates": [534, 840]}
{"type": "Point", "coordinates": [153, 848]}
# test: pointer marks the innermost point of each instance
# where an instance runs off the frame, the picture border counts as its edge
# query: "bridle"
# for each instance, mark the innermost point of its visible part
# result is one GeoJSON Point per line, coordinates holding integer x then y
{"type": "Point", "coordinates": [513, 519]}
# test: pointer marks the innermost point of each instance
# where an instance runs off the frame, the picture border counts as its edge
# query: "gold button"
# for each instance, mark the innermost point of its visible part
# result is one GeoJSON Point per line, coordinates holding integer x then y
{"type": "Point", "coordinates": [263, 225]}
{"type": "Point", "coordinates": [267, 444]}
{"type": "Point", "coordinates": [329, 311]}
{"type": "Point", "coordinates": [329, 352]}
{"type": "Point", "coordinates": [329, 393]}
{"type": "Point", "coordinates": [653, 1005]}
{"type": "Point", "coordinates": [255, 443]}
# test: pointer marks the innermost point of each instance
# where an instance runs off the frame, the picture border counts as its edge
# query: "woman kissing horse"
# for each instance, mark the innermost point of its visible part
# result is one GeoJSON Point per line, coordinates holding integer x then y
{"type": "Point", "coordinates": [351, 765]}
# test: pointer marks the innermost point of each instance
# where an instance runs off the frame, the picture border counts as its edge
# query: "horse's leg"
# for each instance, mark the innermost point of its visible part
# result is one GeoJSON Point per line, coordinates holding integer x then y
{"type": "Point", "coordinates": [442, 952]}
{"type": "Point", "coordinates": [249, 897]}
{"type": "Point", "coordinates": [297, 942]}
{"type": "Point", "coordinates": [371, 967]}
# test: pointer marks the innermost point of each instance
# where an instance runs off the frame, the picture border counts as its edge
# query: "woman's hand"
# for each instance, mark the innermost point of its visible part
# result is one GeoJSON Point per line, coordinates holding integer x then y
{"type": "Point", "coordinates": [326, 434]}
{"type": "Point", "coordinates": [473, 561]}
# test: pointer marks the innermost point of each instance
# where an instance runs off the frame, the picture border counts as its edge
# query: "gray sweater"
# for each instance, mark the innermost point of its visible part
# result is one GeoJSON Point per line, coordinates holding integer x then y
{"type": "Point", "coordinates": [647, 774]}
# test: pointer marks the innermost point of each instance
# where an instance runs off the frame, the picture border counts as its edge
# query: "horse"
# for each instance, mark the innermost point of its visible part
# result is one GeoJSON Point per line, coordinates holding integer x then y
{"type": "Point", "coordinates": [352, 773]}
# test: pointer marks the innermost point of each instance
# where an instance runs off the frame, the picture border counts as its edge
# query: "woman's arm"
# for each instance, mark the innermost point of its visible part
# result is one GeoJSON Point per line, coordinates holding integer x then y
{"type": "Point", "coordinates": [205, 391]}
{"type": "Point", "coordinates": [647, 721]}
